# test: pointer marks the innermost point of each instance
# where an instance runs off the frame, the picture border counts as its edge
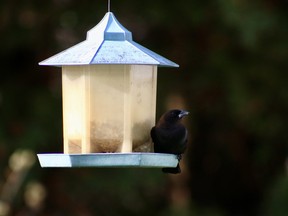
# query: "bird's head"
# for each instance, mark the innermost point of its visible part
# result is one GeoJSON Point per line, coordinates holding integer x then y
{"type": "Point", "coordinates": [174, 116]}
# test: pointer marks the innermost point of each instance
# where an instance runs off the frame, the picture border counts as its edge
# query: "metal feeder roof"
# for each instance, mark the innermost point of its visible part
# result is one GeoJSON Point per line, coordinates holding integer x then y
{"type": "Point", "coordinates": [108, 43]}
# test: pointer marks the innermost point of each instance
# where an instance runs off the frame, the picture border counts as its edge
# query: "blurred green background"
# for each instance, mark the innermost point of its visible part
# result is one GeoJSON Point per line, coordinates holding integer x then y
{"type": "Point", "coordinates": [232, 78]}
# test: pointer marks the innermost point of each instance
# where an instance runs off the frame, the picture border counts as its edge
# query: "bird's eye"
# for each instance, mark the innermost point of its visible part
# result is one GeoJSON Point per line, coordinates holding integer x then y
{"type": "Point", "coordinates": [174, 114]}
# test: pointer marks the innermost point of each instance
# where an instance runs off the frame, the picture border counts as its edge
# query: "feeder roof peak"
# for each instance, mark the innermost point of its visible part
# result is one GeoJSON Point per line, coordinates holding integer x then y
{"type": "Point", "coordinates": [112, 29]}
{"type": "Point", "coordinates": [108, 43]}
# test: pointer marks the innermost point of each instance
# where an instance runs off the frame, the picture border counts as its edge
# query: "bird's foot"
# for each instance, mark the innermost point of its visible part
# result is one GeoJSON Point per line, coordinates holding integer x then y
{"type": "Point", "coordinates": [172, 170]}
{"type": "Point", "coordinates": [179, 157]}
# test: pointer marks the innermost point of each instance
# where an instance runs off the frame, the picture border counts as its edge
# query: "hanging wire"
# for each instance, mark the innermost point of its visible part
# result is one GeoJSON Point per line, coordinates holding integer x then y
{"type": "Point", "coordinates": [108, 5]}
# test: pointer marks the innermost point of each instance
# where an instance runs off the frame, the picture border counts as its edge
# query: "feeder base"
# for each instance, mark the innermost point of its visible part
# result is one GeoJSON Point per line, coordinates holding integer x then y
{"type": "Point", "coordinates": [120, 160]}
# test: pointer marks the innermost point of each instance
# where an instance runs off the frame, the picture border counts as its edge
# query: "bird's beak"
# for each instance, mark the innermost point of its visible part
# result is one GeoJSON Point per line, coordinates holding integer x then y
{"type": "Point", "coordinates": [183, 113]}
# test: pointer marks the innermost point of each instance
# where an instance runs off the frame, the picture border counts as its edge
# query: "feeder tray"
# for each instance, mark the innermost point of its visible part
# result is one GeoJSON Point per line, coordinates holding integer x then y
{"type": "Point", "coordinates": [144, 160]}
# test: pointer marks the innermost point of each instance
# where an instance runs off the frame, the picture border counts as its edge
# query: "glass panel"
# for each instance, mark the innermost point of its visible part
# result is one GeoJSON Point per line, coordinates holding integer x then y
{"type": "Point", "coordinates": [108, 108]}
{"type": "Point", "coordinates": [143, 105]}
{"type": "Point", "coordinates": [74, 108]}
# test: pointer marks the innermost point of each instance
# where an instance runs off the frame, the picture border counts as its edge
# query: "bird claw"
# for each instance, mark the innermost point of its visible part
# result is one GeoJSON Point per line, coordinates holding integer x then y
{"type": "Point", "coordinates": [179, 157]}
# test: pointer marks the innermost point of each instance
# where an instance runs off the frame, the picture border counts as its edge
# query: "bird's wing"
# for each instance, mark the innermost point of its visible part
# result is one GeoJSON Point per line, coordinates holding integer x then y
{"type": "Point", "coordinates": [155, 139]}
{"type": "Point", "coordinates": [153, 134]}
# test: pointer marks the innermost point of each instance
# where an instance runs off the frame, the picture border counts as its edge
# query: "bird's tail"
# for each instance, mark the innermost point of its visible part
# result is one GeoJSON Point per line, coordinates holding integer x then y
{"type": "Point", "coordinates": [173, 170]}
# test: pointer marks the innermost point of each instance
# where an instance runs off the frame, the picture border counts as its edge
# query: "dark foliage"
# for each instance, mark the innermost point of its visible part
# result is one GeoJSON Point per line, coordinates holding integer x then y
{"type": "Point", "coordinates": [232, 76]}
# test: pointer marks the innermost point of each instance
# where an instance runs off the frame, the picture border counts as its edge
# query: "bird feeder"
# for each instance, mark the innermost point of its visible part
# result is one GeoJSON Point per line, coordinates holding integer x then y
{"type": "Point", "coordinates": [109, 100]}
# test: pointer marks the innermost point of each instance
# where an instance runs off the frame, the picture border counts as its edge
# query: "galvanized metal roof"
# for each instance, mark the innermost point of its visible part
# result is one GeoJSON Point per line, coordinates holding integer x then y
{"type": "Point", "coordinates": [108, 43]}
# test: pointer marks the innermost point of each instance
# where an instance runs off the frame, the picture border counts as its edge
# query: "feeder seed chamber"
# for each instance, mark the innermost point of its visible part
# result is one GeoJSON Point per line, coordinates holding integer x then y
{"type": "Point", "coordinates": [109, 101]}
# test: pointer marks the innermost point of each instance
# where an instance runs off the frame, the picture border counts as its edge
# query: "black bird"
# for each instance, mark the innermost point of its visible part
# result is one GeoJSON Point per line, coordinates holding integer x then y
{"type": "Point", "coordinates": [170, 136]}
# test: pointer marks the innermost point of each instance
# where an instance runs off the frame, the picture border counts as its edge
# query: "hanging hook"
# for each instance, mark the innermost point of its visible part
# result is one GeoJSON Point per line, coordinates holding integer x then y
{"type": "Point", "coordinates": [108, 5]}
